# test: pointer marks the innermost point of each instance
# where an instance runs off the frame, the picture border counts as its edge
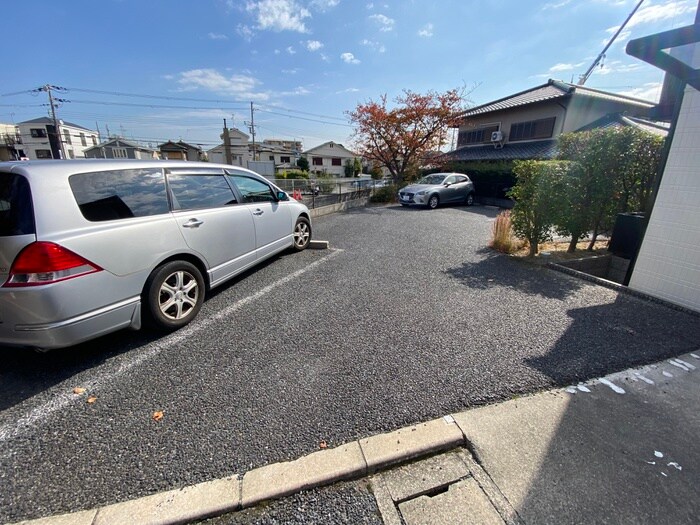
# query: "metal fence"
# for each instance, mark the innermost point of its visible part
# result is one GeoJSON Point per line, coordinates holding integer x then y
{"type": "Point", "coordinates": [316, 193]}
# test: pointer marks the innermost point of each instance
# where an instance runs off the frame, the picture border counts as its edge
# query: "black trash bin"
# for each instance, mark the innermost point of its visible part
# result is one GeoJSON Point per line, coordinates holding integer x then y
{"type": "Point", "coordinates": [627, 234]}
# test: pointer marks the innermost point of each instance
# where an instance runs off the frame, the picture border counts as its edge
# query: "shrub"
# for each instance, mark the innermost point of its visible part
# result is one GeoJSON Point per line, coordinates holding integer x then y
{"type": "Point", "coordinates": [384, 194]}
{"type": "Point", "coordinates": [502, 237]}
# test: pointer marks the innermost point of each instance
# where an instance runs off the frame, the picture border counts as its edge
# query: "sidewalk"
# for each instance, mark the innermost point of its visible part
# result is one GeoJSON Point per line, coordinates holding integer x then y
{"type": "Point", "coordinates": [620, 449]}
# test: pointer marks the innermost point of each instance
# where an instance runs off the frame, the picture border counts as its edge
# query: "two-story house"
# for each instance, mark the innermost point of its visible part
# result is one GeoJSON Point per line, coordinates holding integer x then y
{"type": "Point", "coordinates": [118, 148]}
{"type": "Point", "coordinates": [329, 157]}
{"type": "Point", "coordinates": [240, 150]}
{"type": "Point", "coordinates": [525, 125]}
{"type": "Point", "coordinates": [180, 151]}
{"type": "Point", "coordinates": [41, 140]}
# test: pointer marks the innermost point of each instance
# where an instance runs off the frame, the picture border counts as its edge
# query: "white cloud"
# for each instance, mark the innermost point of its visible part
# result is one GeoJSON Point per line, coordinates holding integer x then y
{"type": "Point", "coordinates": [427, 31]}
{"type": "Point", "coordinates": [323, 5]}
{"type": "Point", "coordinates": [313, 45]}
{"type": "Point", "coordinates": [240, 86]}
{"type": "Point", "coordinates": [658, 12]}
{"type": "Point", "coordinates": [296, 92]}
{"type": "Point", "coordinates": [277, 51]}
{"type": "Point", "coordinates": [349, 58]}
{"type": "Point", "coordinates": [370, 6]}
{"type": "Point", "coordinates": [290, 71]}
{"type": "Point", "coordinates": [217, 36]}
{"type": "Point", "coordinates": [291, 50]}
{"type": "Point", "coordinates": [349, 90]}
{"type": "Point", "coordinates": [279, 15]}
{"type": "Point", "coordinates": [650, 91]}
{"type": "Point", "coordinates": [378, 47]}
{"type": "Point", "coordinates": [385, 23]}
{"type": "Point", "coordinates": [565, 67]}
{"type": "Point", "coordinates": [324, 57]}
{"type": "Point", "coordinates": [556, 5]}
{"type": "Point", "coordinates": [245, 32]}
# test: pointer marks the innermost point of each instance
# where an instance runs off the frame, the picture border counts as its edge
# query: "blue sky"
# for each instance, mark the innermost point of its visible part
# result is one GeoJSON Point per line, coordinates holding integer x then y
{"type": "Point", "coordinates": [303, 63]}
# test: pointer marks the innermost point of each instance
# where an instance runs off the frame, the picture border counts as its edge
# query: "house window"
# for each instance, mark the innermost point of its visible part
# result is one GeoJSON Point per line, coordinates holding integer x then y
{"type": "Point", "coordinates": [534, 129]}
{"type": "Point", "coordinates": [331, 145]}
{"type": "Point", "coordinates": [94, 140]}
{"type": "Point", "coordinates": [66, 136]}
{"type": "Point", "coordinates": [71, 153]}
{"type": "Point", "coordinates": [272, 158]}
{"type": "Point", "coordinates": [82, 139]}
{"type": "Point", "coordinates": [476, 136]}
{"type": "Point", "coordinates": [317, 161]}
{"type": "Point", "coordinates": [119, 153]}
{"type": "Point", "coordinates": [284, 160]}
{"type": "Point", "coordinates": [335, 161]}
{"type": "Point", "coordinates": [43, 154]}
{"type": "Point", "coordinates": [38, 132]}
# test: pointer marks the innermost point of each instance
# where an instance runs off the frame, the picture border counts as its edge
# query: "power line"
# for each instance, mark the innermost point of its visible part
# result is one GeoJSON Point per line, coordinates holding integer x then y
{"type": "Point", "coordinates": [304, 118]}
{"type": "Point", "coordinates": [162, 97]}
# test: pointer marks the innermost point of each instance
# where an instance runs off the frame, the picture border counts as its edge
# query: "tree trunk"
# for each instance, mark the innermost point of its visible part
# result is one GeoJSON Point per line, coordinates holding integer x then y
{"type": "Point", "coordinates": [533, 248]}
{"type": "Point", "coordinates": [573, 243]}
{"type": "Point", "coordinates": [591, 244]}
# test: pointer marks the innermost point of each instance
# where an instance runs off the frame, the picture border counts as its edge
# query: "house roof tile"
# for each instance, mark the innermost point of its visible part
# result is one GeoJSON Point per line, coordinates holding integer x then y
{"type": "Point", "coordinates": [541, 149]}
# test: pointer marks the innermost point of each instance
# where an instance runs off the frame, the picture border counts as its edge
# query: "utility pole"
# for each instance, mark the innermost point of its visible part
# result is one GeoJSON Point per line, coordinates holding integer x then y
{"type": "Point", "coordinates": [252, 129]}
{"type": "Point", "coordinates": [57, 131]}
{"type": "Point", "coordinates": [227, 145]}
{"type": "Point", "coordinates": [582, 79]}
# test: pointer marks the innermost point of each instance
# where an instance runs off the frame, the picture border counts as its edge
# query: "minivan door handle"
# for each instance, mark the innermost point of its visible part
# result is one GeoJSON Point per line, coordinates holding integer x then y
{"type": "Point", "coordinates": [258, 212]}
{"type": "Point", "coordinates": [193, 223]}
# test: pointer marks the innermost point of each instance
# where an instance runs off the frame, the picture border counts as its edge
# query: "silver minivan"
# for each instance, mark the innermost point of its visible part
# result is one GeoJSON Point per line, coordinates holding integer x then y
{"type": "Point", "coordinates": [88, 247]}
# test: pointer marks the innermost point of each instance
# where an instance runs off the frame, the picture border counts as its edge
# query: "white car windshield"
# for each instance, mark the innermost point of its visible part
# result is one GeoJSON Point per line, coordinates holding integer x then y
{"type": "Point", "coordinates": [432, 179]}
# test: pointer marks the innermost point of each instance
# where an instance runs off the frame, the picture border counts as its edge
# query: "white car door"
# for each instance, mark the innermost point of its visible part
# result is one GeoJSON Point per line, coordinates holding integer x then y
{"type": "Point", "coordinates": [272, 218]}
{"type": "Point", "coordinates": [212, 221]}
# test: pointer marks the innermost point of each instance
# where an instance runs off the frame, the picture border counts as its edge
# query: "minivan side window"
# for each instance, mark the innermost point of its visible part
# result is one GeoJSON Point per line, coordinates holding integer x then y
{"type": "Point", "coordinates": [192, 191]}
{"type": "Point", "coordinates": [120, 194]}
{"type": "Point", "coordinates": [253, 190]}
{"type": "Point", "coordinates": [16, 210]}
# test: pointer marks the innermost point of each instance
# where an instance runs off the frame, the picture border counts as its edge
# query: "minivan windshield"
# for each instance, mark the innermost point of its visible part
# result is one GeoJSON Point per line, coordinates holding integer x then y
{"type": "Point", "coordinates": [16, 211]}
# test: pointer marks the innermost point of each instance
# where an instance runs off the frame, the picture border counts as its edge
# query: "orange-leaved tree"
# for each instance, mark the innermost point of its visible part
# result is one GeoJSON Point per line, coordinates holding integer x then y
{"type": "Point", "coordinates": [398, 137]}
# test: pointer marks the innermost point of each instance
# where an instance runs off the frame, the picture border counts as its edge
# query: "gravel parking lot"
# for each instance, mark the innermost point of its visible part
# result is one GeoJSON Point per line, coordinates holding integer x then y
{"type": "Point", "coordinates": [407, 318]}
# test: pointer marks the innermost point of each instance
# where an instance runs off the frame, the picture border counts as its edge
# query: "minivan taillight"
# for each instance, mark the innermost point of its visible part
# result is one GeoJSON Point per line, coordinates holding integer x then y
{"type": "Point", "coordinates": [45, 263]}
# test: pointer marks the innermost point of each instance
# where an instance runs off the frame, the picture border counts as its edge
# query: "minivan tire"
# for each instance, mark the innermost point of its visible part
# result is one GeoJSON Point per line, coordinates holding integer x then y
{"type": "Point", "coordinates": [173, 295]}
{"type": "Point", "coordinates": [302, 234]}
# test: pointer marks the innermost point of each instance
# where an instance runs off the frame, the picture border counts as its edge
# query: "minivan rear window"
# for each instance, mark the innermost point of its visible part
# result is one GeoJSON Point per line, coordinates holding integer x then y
{"type": "Point", "coordinates": [120, 194]}
{"type": "Point", "coordinates": [16, 210]}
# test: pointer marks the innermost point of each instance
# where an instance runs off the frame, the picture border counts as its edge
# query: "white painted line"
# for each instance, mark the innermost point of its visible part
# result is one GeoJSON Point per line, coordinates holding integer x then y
{"type": "Point", "coordinates": [645, 379]}
{"type": "Point", "coordinates": [691, 367]}
{"type": "Point", "coordinates": [667, 374]}
{"type": "Point", "coordinates": [62, 399]}
{"type": "Point", "coordinates": [613, 386]}
{"type": "Point", "coordinates": [674, 363]}
{"type": "Point", "coordinates": [695, 356]}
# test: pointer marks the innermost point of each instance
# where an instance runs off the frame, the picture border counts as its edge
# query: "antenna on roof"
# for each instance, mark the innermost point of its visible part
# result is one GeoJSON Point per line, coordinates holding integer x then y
{"type": "Point", "coordinates": [582, 79]}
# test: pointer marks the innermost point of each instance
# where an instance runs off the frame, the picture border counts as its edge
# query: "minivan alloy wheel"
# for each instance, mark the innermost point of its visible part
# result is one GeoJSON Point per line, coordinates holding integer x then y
{"type": "Point", "coordinates": [302, 233]}
{"type": "Point", "coordinates": [175, 293]}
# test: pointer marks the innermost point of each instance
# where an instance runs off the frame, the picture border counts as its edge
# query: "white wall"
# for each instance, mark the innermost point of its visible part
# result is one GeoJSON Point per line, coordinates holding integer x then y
{"type": "Point", "coordinates": [668, 264]}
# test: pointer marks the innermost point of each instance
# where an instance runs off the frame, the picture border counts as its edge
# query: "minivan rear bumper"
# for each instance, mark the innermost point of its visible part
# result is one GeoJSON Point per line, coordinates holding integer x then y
{"type": "Point", "coordinates": [76, 329]}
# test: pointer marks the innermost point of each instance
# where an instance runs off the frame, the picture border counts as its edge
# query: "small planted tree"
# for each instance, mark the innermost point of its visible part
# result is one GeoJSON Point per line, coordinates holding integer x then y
{"type": "Point", "coordinates": [538, 193]}
{"type": "Point", "coordinates": [303, 163]}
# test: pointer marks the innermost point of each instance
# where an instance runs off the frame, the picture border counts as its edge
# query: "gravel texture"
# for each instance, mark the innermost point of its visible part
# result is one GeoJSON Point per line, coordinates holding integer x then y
{"type": "Point", "coordinates": [342, 504]}
{"type": "Point", "coordinates": [412, 319]}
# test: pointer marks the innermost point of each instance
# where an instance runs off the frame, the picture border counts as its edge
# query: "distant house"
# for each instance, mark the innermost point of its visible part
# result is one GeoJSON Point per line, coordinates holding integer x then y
{"type": "Point", "coordinates": [240, 151]}
{"type": "Point", "coordinates": [526, 125]}
{"type": "Point", "coordinates": [10, 143]}
{"type": "Point", "coordinates": [118, 148]}
{"type": "Point", "coordinates": [284, 158]}
{"type": "Point", "coordinates": [329, 158]}
{"type": "Point", "coordinates": [41, 140]}
{"type": "Point", "coordinates": [180, 151]}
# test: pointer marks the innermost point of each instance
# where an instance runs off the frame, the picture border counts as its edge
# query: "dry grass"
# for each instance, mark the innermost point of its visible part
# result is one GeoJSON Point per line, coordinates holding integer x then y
{"type": "Point", "coordinates": [557, 250]}
{"type": "Point", "coordinates": [502, 237]}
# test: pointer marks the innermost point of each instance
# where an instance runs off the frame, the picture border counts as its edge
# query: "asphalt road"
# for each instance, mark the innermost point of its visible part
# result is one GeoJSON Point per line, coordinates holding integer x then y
{"type": "Point", "coordinates": [406, 319]}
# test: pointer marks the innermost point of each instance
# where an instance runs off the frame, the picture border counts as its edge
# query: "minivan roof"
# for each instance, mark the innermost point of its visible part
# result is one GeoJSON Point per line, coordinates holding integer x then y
{"type": "Point", "coordinates": [37, 167]}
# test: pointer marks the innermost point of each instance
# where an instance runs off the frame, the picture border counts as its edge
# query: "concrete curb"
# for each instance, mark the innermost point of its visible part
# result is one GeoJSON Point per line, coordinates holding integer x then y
{"type": "Point", "coordinates": [349, 461]}
{"type": "Point", "coordinates": [319, 245]}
